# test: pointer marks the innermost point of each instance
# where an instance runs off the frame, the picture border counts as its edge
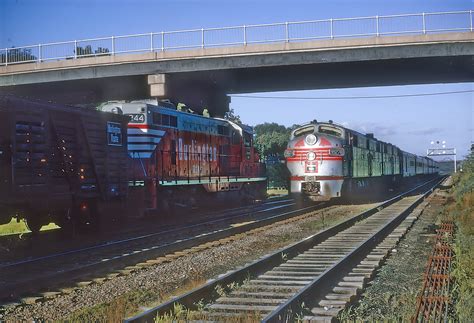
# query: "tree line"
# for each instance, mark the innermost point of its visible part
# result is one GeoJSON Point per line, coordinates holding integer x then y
{"type": "Point", "coordinates": [270, 140]}
{"type": "Point", "coordinates": [16, 55]}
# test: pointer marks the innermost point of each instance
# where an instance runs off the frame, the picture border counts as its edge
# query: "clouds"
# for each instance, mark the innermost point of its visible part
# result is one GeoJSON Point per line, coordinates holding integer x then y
{"type": "Point", "coordinates": [409, 123]}
{"type": "Point", "coordinates": [377, 129]}
{"type": "Point", "coordinates": [426, 131]}
{"type": "Point", "coordinates": [388, 130]}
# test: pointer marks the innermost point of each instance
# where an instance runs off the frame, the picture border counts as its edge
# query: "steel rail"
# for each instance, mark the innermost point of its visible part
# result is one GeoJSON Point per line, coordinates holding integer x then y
{"type": "Point", "coordinates": [260, 266]}
{"type": "Point", "coordinates": [141, 254]}
{"type": "Point", "coordinates": [140, 237]}
{"type": "Point", "coordinates": [322, 284]}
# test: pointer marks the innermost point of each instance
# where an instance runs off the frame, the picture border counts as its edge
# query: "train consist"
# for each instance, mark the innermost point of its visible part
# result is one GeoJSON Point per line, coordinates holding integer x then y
{"type": "Point", "coordinates": [69, 165]}
{"type": "Point", "coordinates": [327, 161]}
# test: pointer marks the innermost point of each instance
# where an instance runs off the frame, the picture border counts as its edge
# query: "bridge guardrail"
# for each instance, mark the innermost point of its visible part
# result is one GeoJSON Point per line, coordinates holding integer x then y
{"type": "Point", "coordinates": [414, 24]}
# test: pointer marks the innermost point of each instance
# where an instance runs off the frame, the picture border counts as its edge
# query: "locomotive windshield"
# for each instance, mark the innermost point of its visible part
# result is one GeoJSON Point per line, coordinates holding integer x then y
{"type": "Point", "coordinates": [303, 131]}
{"type": "Point", "coordinates": [331, 130]}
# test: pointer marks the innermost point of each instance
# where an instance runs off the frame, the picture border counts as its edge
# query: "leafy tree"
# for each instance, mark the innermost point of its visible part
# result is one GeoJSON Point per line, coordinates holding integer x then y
{"type": "Point", "coordinates": [17, 55]}
{"type": "Point", "coordinates": [231, 116]}
{"type": "Point", "coordinates": [84, 51]}
{"type": "Point", "coordinates": [102, 51]}
{"type": "Point", "coordinates": [88, 52]}
{"type": "Point", "coordinates": [278, 175]}
{"type": "Point", "coordinates": [271, 139]}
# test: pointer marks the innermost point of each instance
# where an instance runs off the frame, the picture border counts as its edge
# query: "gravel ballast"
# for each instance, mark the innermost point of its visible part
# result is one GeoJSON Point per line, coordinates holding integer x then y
{"type": "Point", "coordinates": [124, 295]}
{"type": "Point", "coordinates": [392, 295]}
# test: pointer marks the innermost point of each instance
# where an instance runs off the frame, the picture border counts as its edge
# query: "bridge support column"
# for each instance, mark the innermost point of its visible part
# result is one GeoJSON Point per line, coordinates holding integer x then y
{"type": "Point", "coordinates": [158, 86]}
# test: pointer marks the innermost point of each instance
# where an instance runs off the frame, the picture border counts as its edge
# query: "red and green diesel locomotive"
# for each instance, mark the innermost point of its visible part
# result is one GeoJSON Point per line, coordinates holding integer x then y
{"type": "Point", "coordinates": [185, 159]}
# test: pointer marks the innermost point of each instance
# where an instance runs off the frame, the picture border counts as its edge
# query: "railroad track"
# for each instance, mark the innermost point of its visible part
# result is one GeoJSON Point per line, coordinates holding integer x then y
{"type": "Point", "coordinates": [54, 270]}
{"type": "Point", "coordinates": [29, 243]}
{"type": "Point", "coordinates": [313, 279]}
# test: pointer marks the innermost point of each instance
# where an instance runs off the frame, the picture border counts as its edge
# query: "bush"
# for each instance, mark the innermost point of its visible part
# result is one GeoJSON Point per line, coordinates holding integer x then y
{"type": "Point", "coordinates": [462, 212]}
{"type": "Point", "coordinates": [278, 175]}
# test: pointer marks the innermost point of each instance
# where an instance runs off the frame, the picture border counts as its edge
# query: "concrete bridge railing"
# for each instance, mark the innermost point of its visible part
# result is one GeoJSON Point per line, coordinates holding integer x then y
{"type": "Point", "coordinates": [410, 24]}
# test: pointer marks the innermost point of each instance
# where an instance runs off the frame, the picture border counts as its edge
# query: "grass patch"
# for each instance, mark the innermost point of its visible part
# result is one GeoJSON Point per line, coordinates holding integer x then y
{"type": "Point", "coordinates": [462, 212]}
{"type": "Point", "coordinates": [131, 303]}
{"type": "Point", "coordinates": [15, 227]}
{"type": "Point", "coordinates": [277, 192]}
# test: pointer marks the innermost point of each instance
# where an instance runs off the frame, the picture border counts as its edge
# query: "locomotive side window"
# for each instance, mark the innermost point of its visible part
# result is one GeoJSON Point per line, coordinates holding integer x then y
{"type": "Point", "coordinates": [173, 121]}
{"type": "Point", "coordinates": [247, 140]}
{"type": "Point", "coordinates": [362, 142]}
{"type": "Point", "coordinates": [235, 138]}
{"type": "Point", "coordinates": [223, 130]}
{"type": "Point", "coordinates": [165, 119]}
{"type": "Point", "coordinates": [355, 141]}
{"type": "Point", "coordinates": [156, 118]}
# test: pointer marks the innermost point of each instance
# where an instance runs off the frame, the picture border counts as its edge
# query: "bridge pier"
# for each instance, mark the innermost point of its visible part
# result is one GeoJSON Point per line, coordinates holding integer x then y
{"type": "Point", "coordinates": [196, 95]}
{"type": "Point", "coordinates": [157, 84]}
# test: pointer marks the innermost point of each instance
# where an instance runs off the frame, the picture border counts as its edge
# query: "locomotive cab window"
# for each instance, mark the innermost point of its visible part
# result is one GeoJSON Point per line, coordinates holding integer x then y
{"type": "Point", "coordinates": [223, 130]}
{"type": "Point", "coordinates": [303, 131]}
{"type": "Point", "coordinates": [247, 140]}
{"type": "Point", "coordinates": [329, 130]}
{"type": "Point", "coordinates": [235, 138]}
{"type": "Point", "coordinates": [165, 120]}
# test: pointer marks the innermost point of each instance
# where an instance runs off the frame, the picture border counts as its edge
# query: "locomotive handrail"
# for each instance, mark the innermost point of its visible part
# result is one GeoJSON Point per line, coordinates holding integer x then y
{"type": "Point", "coordinates": [368, 26]}
{"type": "Point", "coordinates": [188, 156]}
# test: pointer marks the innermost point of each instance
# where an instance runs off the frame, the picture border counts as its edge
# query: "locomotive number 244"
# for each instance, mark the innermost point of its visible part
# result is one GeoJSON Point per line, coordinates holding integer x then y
{"type": "Point", "coordinates": [137, 118]}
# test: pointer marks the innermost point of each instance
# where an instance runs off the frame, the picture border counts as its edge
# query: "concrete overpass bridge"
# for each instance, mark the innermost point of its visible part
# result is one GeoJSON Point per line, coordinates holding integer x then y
{"type": "Point", "coordinates": [201, 67]}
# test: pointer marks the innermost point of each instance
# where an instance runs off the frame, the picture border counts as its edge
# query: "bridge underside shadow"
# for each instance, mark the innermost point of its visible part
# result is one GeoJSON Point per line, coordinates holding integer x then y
{"type": "Point", "coordinates": [210, 88]}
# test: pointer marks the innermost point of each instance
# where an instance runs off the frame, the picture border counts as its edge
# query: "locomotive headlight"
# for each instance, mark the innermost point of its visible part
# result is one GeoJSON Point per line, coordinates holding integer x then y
{"type": "Point", "coordinates": [311, 155]}
{"type": "Point", "coordinates": [336, 152]}
{"type": "Point", "coordinates": [311, 139]}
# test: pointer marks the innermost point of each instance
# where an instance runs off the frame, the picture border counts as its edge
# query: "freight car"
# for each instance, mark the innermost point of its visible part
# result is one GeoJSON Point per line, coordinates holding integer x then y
{"type": "Point", "coordinates": [59, 163]}
{"type": "Point", "coordinates": [328, 160]}
{"type": "Point", "coordinates": [179, 158]}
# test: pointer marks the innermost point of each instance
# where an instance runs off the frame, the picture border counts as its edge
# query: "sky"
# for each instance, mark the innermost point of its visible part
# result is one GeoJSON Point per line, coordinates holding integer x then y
{"type": "Point", "coordinates": [410, 123]}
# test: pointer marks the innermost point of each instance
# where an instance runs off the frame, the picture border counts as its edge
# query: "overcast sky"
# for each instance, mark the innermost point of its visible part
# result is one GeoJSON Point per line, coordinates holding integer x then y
{"type": "Point", "coordinates": [410, 122]}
